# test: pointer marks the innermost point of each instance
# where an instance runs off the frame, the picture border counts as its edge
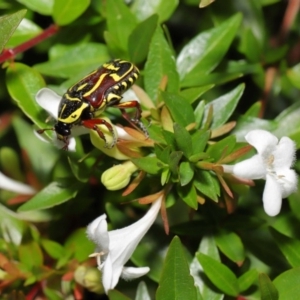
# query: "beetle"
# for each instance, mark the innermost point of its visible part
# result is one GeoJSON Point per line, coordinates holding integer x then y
{"type": "Point", "coordinates": [85, 101]}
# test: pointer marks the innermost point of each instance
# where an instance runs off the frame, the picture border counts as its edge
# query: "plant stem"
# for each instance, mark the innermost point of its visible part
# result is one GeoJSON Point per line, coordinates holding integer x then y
{"type": "Point", "coordinates": [12, 52]}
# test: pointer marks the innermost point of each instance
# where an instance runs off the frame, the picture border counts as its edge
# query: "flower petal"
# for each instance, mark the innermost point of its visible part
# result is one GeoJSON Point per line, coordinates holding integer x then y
{"type": "Point", "coordinates": [252, 168]}
{"type": "Point", "coordinates": [284, 154]}
{"type": "Point", "coordinates": [132, 273]}
{"type": "Point", "coordinates": [263, 141]}
{"type": "Point", "coordinates": [9, 184]}
{"type": "Point", "coordinates": [49, 101]}
{"type": "Point", "coordinates": [272, 196]}
{"type": "Point", "coordinates": [97, 232]}
{"type": "Point", "coordinates": [289, 182]}
{"type": "Point", "coordinates": [110, 275]}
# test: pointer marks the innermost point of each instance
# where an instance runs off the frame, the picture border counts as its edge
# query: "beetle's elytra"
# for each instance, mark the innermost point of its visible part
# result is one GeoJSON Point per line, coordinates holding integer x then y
{"type": "Point", "coordinates": [87, 99]}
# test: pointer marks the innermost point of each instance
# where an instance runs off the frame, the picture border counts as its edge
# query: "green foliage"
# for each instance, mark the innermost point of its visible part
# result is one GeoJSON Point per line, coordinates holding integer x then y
{"type": "Point", "coordinates": [209, 74]}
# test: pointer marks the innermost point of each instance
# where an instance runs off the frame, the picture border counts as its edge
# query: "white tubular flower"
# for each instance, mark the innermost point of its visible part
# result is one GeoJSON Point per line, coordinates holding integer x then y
{"type": "Point", "coordinates": [273, 163]}
{"type": "Point", "coordinates": [49, 101]}
{"type": "Point", "coordinates": [9, 184]}
{"type": "Point", "coordinates": [116, 246]}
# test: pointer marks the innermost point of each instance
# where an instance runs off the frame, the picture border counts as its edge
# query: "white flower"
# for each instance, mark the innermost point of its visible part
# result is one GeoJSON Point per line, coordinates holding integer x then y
{"type": "Point", "coordinates": [273, 163]}
{"type": "Point", "coordinates": [116, 247]}
{"type": "Point", "coordinates": [9, 184]}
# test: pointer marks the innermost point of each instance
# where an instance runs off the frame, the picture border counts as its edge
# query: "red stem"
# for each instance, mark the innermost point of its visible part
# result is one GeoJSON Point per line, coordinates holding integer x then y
{"type": "Point", "coordinates": [12, 52]}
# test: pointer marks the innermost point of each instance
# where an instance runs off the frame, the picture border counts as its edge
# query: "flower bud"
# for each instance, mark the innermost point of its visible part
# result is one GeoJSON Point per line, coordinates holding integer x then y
{"type": "Point", "coordinates": [90, 278]}
{"type": "Point", "coordinates": [118, 176]}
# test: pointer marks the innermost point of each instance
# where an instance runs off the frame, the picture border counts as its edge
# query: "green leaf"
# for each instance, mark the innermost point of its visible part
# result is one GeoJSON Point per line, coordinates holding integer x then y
{"type": "Point", "coordinates": [164, 9]}
{"type": "Point", "coordinates": [30, 254]}
{"type": "Point", "coordinates": [247, 279]}
{"type": "Point", "coordinates": [183, 140]}
{"type": "Point", "coordinates": [24, 32]}
{"type": "Point", "coordinates": [55, 193]}
{"type": "Point", "coordinates": [23, 83]}
{"type": "Point", "coordinates": [222, 148]}
{"type": "Point", "coordinates": [174, 160]}
{"type": "Point", "coordinates": [151, 165]}
{"type": "Point", "coordinates": [160, 62]}
{"type": "Point", "coordinates": [224, 106]}
{"type": "Point", "coordinates": [288, 246]}
{"type": "Point", "coordinates": [231, 245]}
{"type": "Point", "coordinates": [78, 58]}
{"type": "Point", "coordinates": [199, 141]}
{"type": "Point", "coordinates": [42, 7]}
{"type": "Point", "coordinates": [204, 52]}
{"type": "Point", "coordinates": [142, 292]}
{"type": "Point", "coordinates": [192, 94]}
{"type": "Point", "coordinates": [139, 39]}
{"type": "Point", "coordinates": [288, 284]}
{"type": "Point", "coordinates": [181, 111]}
{"type": "Point", "coordinates": [206, 183]}
{"type": "Point", "coordinates": [186, 173]}
{"type": "Point", "coordinates": [188, 194]}
{"type": "Point", "coordinates": [220, 275]}
{"type": "Point", "coordinates": [54, 249]}
{"type": "Point", "coordinates": [8, 25]}
{"type": "Point", "coordinates": [176, 281]}
{"type": "Point", "coordinates": [267, 289]}
{"type": "Point", "coordinates": [116, 295]}
{"type": "Point", "coordinates": [120, 22]}
{"type": "Point", "coordinates": [293, 74]}
{"type": "Point", "coordinates": [65, 12]}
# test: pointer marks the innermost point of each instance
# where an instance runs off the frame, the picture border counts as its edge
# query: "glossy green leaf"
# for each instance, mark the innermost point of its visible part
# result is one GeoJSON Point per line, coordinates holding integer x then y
{"type": "Point", "coordinates": [208, 247]}
{"type": "Point", "coordinates": [247, 279]}
{"type": "Point", "coordinates": [10, 163]}
{"type": "Point", "coordinates": [199, 141]}
{"type": "Point", "coordinates": [176, 281]}
{"type": "Point", "coordinates": [231, 245]}
{"type": "Point", "coordinates": [24, 32]}
{"type": "Point", "coordinates": [181, 111]}
{"type": "Point", "coordinates": [78, 58]}
{"type": "Point", "coordinates": [164, 9]}
{"type": "Point", "coordinates": [250, 46]}
{"type": "Point", "coordinates": [183, 140]}
{"type": "Point", "coordinates": [293, 74]}
{"type": "Point", "coordinates": [192, 94]}
{"type": "Point", "coordinates": [267, 289]}
{"type": "Point", "coordinates": [174, 160]}
{"type": "Point", "coordinates": [139, 39]}
{"type": "Point", "coordinates": [65, 12]}
{"type": "Point", "coordinates": [219, 274]}
{"type": "Point", "coordinates": [206, 183]}
{"type": "Point", "coordinates": [160, 63]}
{"type": "Point", "coordinates": [116, 295]}
{"type": "Point", "coordinates": [55, 193]}
{"type": "Point", "coordinates": [224, 106]}
{"type": "Point", "coordinates": [288, 246]}
{"type": "Point", "coordinates": [142, 292]}
{"type": "Point", "coordinates": [222, 148]}
{"type": "Point", "coordinates": [42, 7]}
{"type": "Point", "coordinates": [54, 249]}
{"type": "Point", "coordinates": [30, 254]}
{"type": "Point", "coordinates": [188, 194]}
{"type": "Point", "coordinates": [186, 173]}
{"type": "Point", "coordinates": [120, 22]}
{"type": "Point", "coordinates": [151, 165]}
{"type": "Point", "coordinates": [36, 150]}
{"type": "Point", "coordinates": [8, 25]}
{"type": "Point", "coordinates": [204, 52]}
{"type": "Point", "coordinates": [288, 284]}
{"type": "Point", "coordinates": [23, 83]}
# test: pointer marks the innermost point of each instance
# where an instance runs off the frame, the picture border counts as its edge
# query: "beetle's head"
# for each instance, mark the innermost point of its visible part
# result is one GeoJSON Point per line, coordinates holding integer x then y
{"type": "Point", "coordinates": [63, 131]}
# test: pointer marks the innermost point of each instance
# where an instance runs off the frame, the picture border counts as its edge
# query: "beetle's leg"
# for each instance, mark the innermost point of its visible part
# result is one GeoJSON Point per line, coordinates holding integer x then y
{"type": "Point", "coordinates": [92, 124]}
{"type": "Point", "coordinates": [136, 121]}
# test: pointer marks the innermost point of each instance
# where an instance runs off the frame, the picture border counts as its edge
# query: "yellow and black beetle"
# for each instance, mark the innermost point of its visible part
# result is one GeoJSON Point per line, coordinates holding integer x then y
{"type": "Point", "coordinates": [84, 102]}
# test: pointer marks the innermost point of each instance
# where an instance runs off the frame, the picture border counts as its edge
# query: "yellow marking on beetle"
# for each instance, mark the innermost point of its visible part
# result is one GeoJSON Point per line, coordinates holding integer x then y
{"type": "Point", "coordinates": [112, 96]}
{"type": "Point", "coordinates": [71, 98]}
{"type": "Point", "coordinates": [81, 87]}
{"type": "Point", "coordinates": [111, 67]}
{"type": "Point", "coordinates": [131, 80]}
{"type": "Point", "coordinates": [73, 117]}
{"type": "Point", "coordinates": [124, 83]}
{"type": "Point", "coordinates": [93, 72]}
{"type": "Point", "coordinates": [96, 85]}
